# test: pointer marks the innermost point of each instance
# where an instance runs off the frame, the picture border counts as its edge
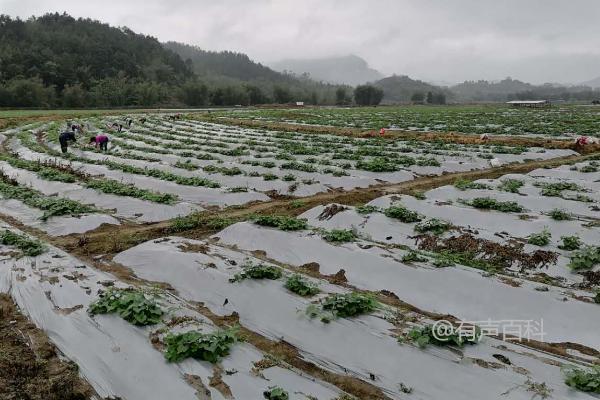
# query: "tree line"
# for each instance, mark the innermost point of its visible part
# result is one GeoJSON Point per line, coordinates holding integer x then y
{"type": "Point", "coordinates": [58, 61]}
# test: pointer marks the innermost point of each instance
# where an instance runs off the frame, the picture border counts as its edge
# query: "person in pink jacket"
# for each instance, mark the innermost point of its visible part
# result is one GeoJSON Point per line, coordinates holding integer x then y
{"type": "Point", "coordinates": [100, 141]}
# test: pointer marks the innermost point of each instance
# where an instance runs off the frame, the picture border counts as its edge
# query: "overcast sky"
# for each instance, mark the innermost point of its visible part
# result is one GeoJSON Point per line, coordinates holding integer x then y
{"type": "Point", "coordinates": [436, 40]}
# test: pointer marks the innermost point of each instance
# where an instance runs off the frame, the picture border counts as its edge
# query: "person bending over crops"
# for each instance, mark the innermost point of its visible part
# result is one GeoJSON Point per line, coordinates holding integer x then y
{"type": "Point", "coordinates": [100, 141]}
{"type": "Point", "coordinates": [64, 138]}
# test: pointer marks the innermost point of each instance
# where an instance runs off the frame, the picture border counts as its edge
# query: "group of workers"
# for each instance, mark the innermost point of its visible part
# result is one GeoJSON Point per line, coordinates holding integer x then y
{"type": "Point", "coordinates": [68, 135]}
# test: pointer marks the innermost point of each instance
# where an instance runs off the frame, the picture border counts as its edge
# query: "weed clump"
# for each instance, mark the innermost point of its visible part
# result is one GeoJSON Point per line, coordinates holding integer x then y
{"type": "Point", "coordinates": [349, 304]}
{"type": "Point", "coordinates": [511, 185]}
{"type": "Point", "coordinates": [560, 215]}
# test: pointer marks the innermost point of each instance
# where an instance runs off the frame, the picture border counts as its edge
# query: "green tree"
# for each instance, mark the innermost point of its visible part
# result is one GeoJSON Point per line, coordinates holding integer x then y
{"type": "Point", "coordinates": [281, 94]}
{"type": "Point", "coordinates": [368, 95]}
{"type": "Point", "coordinates": [194, 93]}
{"type": "Point", "coordinates": [429, 98]}
{"type": "Point", "coordinates": [417, 97]}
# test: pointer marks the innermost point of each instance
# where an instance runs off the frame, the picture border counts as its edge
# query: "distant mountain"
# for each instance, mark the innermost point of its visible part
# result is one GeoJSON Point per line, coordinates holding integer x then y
{"type": "Point", "coordinates": [593, 83]}
{"type": "Point", "coordinates": [401, 88]}
{"type": "Point", "coordinates": [350, 70]}
{"type": "Point", "coordinates": [490, 91]}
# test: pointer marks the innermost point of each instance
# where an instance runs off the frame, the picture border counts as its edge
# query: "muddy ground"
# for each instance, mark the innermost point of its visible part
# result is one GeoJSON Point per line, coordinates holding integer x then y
{"type": "Point", "coordinates": [30, 367]}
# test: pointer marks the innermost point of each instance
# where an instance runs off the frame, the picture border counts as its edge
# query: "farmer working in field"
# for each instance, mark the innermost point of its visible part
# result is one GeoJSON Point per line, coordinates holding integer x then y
{"type": "Point", "coordinates": [100, 141]}
{"type": "Point", "coordinates": [64, 138]}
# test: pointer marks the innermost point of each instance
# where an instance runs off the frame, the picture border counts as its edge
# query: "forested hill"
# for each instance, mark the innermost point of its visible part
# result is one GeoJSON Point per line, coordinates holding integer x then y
{"type": "Point", "coordinates": [62, 50]}
{"type": "Point", "coordinates": [58, 61]}
{"type": "Point", "coordinates": [225, 63]}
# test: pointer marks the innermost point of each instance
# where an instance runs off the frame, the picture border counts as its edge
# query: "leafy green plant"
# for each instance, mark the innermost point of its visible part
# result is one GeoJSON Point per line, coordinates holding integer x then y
{"type": "Point", "coordinates": [586, 380]}
{"type": "Point", "coordinates": [510, 185]}
{"type": "Point", "coordinates": [299, 285]}
{"type": "Point", "coordinates": [187, 164]}
{"type": "Point", "coordinates": [132, 305]}
{"type": "Point", "coordinates": [366, 209]}
{"type": "Point", "coordinates": [122, 189]}
{"type": "Point", "coordinates": [209, 347]}
{"type": "Point", "coordinates": [51, 205]}
{"type": "Point", "coordinates": [585, 258]}
{"type": "Point", "coordinates": [423, 336]}
{"type": "Point", "coordinates": [377, 165]}
{"type": "Point", "coordinates": [260, 271]}
{"type": "Point", "coordinates": [413, 256]}
{"type": "Point", "coordinates": [465, 184]}
{"type": "Point", "coordinates": [540, 239]}
{"type": "Point", "coordinates": [402, 213]}
{"type": "Point", "coordinates": [433, 225]}
{"type": "Point", "coordinates": [570, 243]}
{"type": "Point", "coordinates": [349, 304]}
{"type": "Point", "coordinates": [560, 215]}
{"type": "Point", "coordinates": [275, 393]}
{"type": "Point", "coordinates": [488, 203]}
{"type": "Point", "coordinates": [339, 235]}
{"type": "Point", "coordinates": [282, 222]}
{"type": "Point", "coordinates": [29, 247]}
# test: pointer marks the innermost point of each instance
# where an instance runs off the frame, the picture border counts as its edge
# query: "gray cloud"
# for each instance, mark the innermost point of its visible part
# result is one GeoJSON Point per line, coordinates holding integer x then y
{"type": "Point", "coordinates": [441, 40]}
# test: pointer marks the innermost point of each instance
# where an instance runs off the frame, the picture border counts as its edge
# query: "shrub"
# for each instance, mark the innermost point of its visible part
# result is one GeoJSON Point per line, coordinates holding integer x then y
{"type": "Point", "coordinates": [260, 271]}
{"type": "Point", "coordinates": [402, 213]}
{"type": "Point", "coordinates": [488, 203]}
{"type": "Point", "coordinates": [131, 305]}
{"type": "Point", "coordinates": [29, 247]}
{"type": "Point", "coordinates": [282, 222]}
{"type": "Point", "coordinates": [560, 215]}
{"type": "Point", "coordinates": [275, 393]}
{"type": "Point", "coordinates": [540, 239]}
{"type": "Point", "coordinates": [299, 285]}
{"type": "Point", "coordinates": [339, 235]}
{"type": "Point", "coordinates": [349, 304]}
{"type": "Point", "coordinates": [570, 243]}
{"type": "Point", "coordinates": [586, 258]}
{"type": "Point", "coordinates": [586, 380]}
{"type": "Point", "coordinates": [433, 225]}
{"type": "Point", "coordinates": [202, 346]}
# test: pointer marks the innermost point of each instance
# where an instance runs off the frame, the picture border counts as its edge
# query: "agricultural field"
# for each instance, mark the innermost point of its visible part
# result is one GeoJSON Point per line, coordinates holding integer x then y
{"type": "Point", "coordinates": [555, 121]}
{"type": "Point", "coordinates": [199, 260]}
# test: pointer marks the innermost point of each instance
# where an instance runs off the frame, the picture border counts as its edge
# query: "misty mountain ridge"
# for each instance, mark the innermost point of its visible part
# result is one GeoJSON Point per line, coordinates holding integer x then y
{"type": "Point", "coordinates": [593, 83]}
{"type": "Point", "coordinates": [350, 70]}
